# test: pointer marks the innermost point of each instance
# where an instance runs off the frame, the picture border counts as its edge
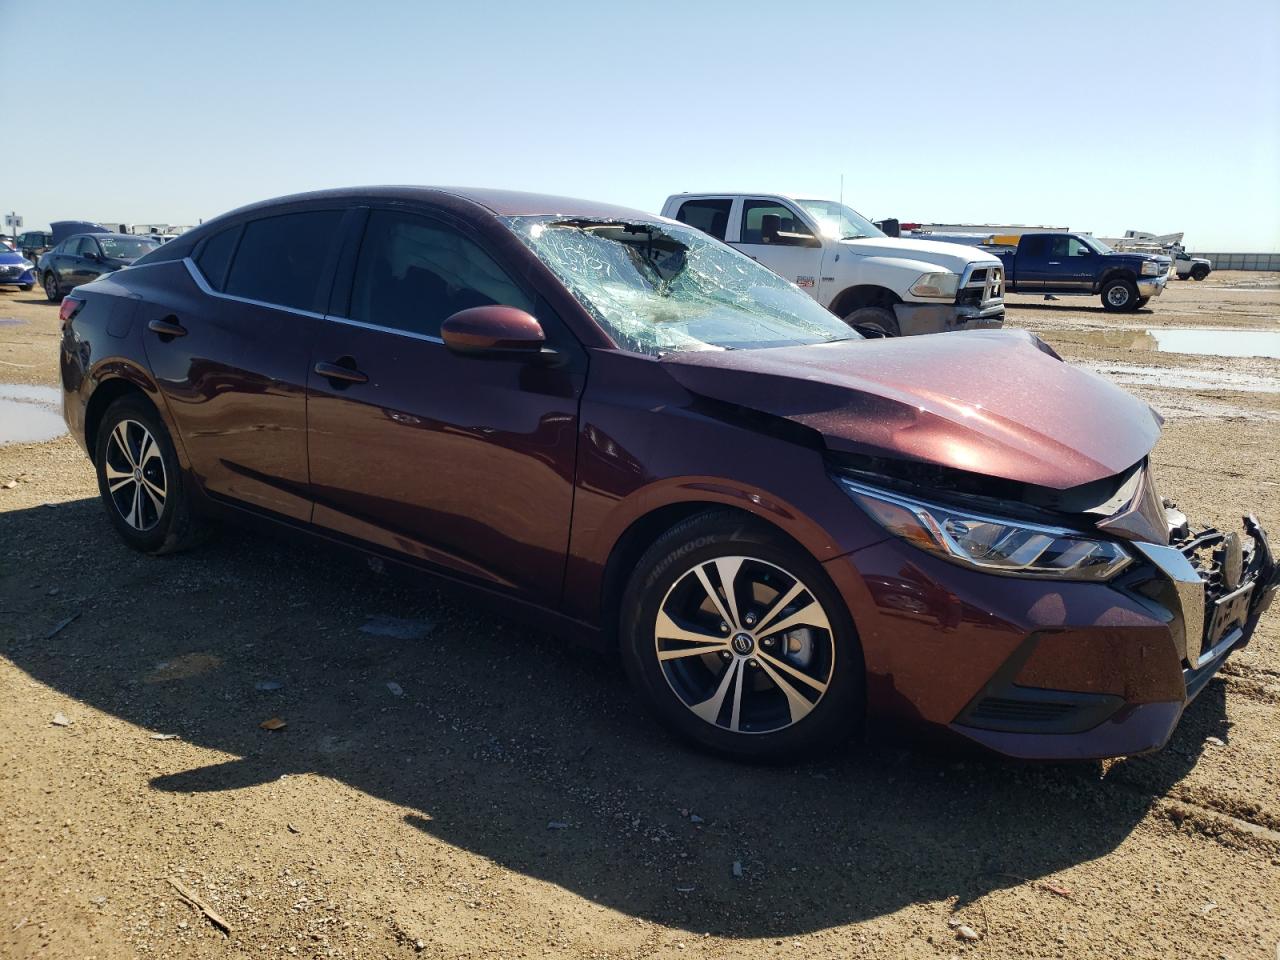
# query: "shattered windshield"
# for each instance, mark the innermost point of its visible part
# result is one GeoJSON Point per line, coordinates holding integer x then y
{"type": "Point", "coordinates": [658, 288]}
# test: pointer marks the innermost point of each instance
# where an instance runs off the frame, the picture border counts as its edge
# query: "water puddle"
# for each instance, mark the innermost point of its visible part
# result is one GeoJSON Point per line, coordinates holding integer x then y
{"type": "Point", "coordinates": [1198, 342]}
{"type": "Point", "coordinates": [1175, 378]}
{"type": "Point", "coordinates": [30, 414]}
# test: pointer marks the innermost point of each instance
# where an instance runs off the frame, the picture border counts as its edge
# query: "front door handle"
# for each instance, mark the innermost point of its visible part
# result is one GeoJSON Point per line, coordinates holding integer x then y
{"type": "Point", "coordinates": [168, 327]}
{"type": "Point", "coordinates": [341, 371]}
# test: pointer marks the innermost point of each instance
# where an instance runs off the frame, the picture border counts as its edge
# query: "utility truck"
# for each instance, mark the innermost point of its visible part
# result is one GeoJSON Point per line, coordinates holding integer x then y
{"type": "Point", "coordinates": [881, 286]}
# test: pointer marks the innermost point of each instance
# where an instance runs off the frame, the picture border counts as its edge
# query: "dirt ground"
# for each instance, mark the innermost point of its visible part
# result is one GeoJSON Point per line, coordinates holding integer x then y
{"type": "Point", "coordinates": [485, 790]}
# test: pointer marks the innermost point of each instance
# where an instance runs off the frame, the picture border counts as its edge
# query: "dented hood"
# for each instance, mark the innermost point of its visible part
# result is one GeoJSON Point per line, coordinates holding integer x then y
{"type": "Point", "coordinates": [992, 402]}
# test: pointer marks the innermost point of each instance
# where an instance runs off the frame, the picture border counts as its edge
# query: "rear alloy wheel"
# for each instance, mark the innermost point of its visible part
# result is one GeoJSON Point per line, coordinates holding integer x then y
{"type": "Point", "coordinates": [140, 481]}
{"type": "Point", "coordinates": [52, 288]}
{"type": "Point", "coordinates": [739, 641]}
{"type": "Point", "coordinates": [873, 322]}
{"type": "Point", "coordinates": [1119, 295]}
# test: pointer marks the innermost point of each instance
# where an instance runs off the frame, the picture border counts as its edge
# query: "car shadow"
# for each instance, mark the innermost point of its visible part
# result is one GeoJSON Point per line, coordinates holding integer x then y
{"type": "Point", "coordinates": [1066, 304]}
{"type": "Point", "coordinates": [527, 751]}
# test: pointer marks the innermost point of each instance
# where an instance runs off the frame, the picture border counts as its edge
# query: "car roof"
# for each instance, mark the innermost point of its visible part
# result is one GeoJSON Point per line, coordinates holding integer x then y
{"type": "Point", "coordinates": [502, 203]}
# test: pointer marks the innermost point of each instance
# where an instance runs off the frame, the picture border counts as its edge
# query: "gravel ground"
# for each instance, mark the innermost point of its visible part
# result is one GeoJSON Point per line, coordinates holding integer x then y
{"type": "Point", "coordinates": [485, 790]}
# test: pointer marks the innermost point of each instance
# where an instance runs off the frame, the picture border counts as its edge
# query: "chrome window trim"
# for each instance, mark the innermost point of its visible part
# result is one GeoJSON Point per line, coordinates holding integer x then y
{"type": "Point", "coordinates": [208, 290]}
{"type": "Point", "coordinates": [347, 321]}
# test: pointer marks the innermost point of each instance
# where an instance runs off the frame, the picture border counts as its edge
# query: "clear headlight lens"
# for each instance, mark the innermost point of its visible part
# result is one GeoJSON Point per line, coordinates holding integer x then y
{"type": "Point", "coordinates": [1151, 268]}
{"type": "Point", "coordinates": [992, 544]}
{"type": "Point", "coordinates": [943, 285]}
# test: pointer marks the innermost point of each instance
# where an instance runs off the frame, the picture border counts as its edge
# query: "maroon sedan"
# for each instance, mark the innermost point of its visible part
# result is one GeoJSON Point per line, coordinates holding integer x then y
{"type": "Point", "coordinates": [616, 423]}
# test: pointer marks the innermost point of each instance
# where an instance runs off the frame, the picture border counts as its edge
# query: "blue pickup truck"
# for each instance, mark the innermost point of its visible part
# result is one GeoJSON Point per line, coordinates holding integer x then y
{"type": "Point", "coordinates": [1076, 263]}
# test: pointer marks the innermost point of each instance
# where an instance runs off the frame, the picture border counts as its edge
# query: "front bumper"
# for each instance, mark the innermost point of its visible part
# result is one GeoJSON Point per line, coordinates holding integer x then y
{"type": "Point", "coordinates": [919, 318]}
{"type": "Point", "coordinates": [1053, 670]}
{"type": "Point", "coordinates": [1152, 286]}
{"type": "Point", "coordinates": [22, 278]}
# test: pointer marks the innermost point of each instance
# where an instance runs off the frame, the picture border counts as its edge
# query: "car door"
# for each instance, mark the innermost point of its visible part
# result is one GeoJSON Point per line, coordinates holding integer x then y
{"type": "Point", "coordinates": [228, 337]}
{"type": "Point", "coordinates": [1031, 264]}
{"type": "Point", "coordinates": [73, 266]}
{"type": "Point", "coordinates": [1077, 261]}
{"type": "Point", "coordinates": [464, 462]}
{"type": "Point", "coordinates": [92, 264]}
{"type": "Point", "coordinates": [780, 237]}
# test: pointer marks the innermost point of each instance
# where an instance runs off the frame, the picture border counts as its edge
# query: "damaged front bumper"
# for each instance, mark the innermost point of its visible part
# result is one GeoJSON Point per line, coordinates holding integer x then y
{"type": "Point", "coordinates": [1211, 592]}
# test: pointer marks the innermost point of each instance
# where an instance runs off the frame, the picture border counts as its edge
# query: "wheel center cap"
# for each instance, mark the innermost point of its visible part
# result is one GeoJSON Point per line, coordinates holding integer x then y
{"type": "Point", "coordinates": [137, 473]}
{"type": "Point", "coordinates": [742, 643]}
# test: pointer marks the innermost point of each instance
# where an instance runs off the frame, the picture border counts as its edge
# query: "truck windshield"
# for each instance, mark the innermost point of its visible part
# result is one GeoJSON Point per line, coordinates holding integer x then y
{"type": "Point", "coordinates": [838, 222]}
{"type": "Point", "coordinates": [664, 288]}
{"type": "Point", "coordinates": [1097, 245]}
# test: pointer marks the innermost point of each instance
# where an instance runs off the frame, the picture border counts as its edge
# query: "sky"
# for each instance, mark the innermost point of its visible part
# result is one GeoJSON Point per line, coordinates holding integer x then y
{"type": "Point", "coordinates": [1098, 116]}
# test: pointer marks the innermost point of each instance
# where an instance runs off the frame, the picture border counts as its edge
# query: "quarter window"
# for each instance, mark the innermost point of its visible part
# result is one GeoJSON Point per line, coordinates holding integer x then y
{"type": "Point", "coordinates": [769, 222]}
{"type": "Point", "coordinates": [413, 273]}
{"type": "Point", "coordinates": [215, 256]}
{"type": "Point", "coordinates": [709, 216]}
{"type": "Point", "coordinates": [280, 259]}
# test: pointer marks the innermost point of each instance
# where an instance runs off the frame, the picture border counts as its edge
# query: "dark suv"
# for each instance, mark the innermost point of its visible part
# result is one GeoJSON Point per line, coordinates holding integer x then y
{"type": "Point", "coordinates": [625, 428]}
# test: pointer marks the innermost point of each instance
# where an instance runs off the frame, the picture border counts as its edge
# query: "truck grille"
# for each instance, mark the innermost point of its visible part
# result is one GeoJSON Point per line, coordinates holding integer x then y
{"type": "Point", "coordinates": [986, 284]}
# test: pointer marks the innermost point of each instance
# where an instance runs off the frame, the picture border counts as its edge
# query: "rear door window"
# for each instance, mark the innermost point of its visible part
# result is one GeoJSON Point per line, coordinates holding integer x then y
{"type": "Point", "coordinates": [709, 216]}
{"type": "Point", "coordinates": [280, 259]}
{"type": "Point", "coordinates": [1033, 246]}
{"type": "Point", "coordinates": [414, 272]}
{"type": "Point", "coordinates": [215, 256]}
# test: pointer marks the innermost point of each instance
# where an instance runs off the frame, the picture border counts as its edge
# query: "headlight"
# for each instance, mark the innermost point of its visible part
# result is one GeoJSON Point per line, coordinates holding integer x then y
{"type": "Point", "coordinates": [1151, 268]}
{"type": "Point", "coordinates": [26, 264]}
{"type": "Point", "coordinates": [943, 285]}
{"type": "Point", "coordinates": [991, 544]}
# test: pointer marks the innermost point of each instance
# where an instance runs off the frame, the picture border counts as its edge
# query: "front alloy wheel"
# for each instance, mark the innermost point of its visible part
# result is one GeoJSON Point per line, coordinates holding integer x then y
{"type": "Point", "coordinates": [739, 642]}
{"type": "Point", "coordinates": [744, 645]}
{"type": "Point", "coordinates": [52, 288]}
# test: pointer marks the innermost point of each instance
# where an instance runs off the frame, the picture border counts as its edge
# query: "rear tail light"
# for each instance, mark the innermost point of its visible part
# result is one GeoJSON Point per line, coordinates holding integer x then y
{"type": "Point", "coordinates": [70, 307]}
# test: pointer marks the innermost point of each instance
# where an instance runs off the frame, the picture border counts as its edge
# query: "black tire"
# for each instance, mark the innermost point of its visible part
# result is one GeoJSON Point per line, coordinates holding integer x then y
{"type": "Point", "coordinates": [52, 287]}
{"type": "Point", "coordinates": [1142, 302]}
{"type": "Point", "coordinates": [873, 322]}
{"type": "Point", "coordinates": [1199, 272]}
{"type": "Point", "coordinates": [669, 570]}
{"type": "Point", "coordinates": [1120, 296]}
{"type": "Point", "coordinates": [171, 527]}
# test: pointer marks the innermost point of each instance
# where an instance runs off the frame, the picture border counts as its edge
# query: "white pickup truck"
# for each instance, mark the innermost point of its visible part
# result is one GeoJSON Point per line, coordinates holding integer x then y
{"type": "Point", "coordinates": [880, 285]}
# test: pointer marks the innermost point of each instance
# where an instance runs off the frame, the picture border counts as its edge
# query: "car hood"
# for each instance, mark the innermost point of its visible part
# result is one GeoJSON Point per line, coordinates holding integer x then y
{"type": "Point", "coordinates": [953, 256]}
{"type": "Point", "coordinates": [11, 256]}
{"type": "Point", "coordinates": [993, 402]}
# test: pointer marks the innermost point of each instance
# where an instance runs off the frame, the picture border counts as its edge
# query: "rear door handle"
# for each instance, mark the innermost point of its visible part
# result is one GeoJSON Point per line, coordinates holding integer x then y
{"type": "Point", "coordinates": [340, 371]}
{"type": "Point", "coordinates": [168, 327]}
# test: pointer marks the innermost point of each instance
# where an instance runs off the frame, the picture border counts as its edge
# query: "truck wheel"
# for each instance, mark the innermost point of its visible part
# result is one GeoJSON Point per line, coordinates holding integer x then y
{"type": "Point", "coordinates": [1119, 295]}
{"type": "Point", "coordinates": [873, 322]}
{"type": "Point", "coordinates": [1142, 302]}
{"type": "Point", "coordinates": [1199, 272]}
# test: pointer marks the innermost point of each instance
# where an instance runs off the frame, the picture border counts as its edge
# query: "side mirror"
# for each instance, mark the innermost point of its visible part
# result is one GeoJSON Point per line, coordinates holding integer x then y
{"type": "Point", "coordinates": [493, 331]}
{"type": "Point", "coordinates": [92, 256]}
